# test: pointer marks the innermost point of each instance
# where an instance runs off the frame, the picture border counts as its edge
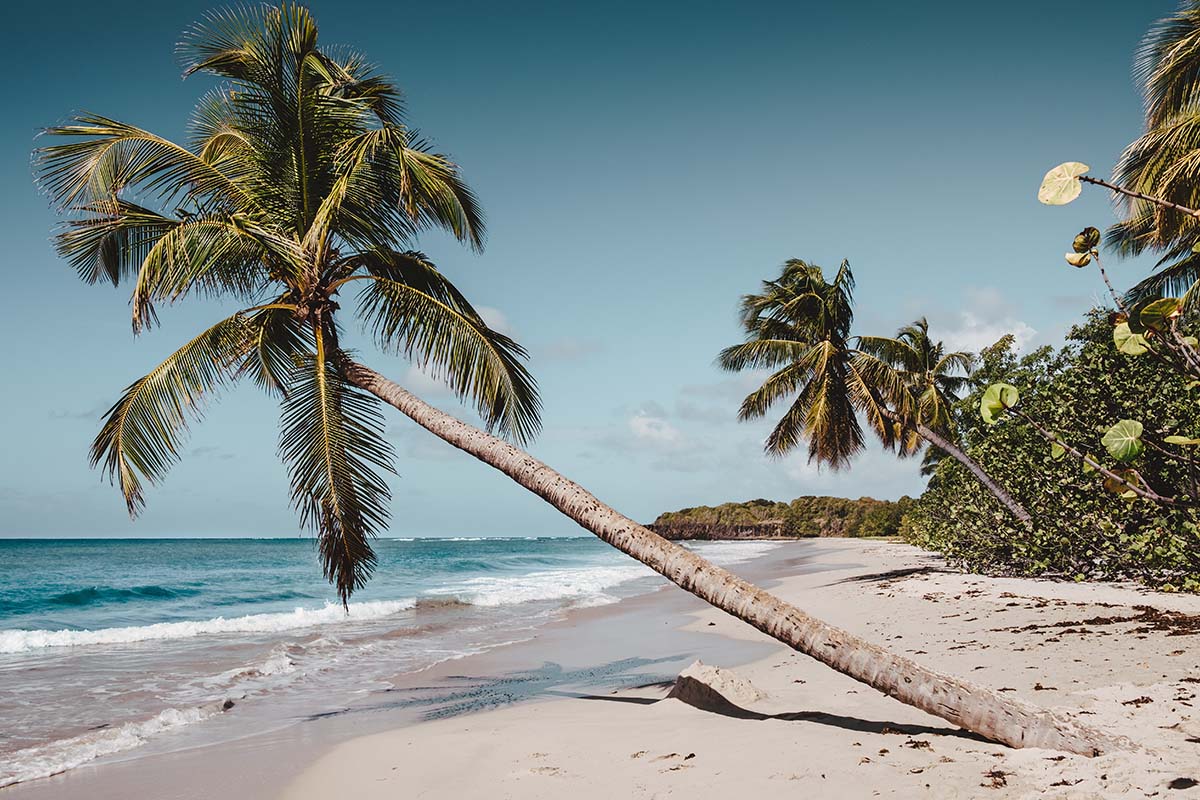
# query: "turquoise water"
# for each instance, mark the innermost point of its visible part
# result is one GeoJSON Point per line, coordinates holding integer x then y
{"type": "Point", "coordinates": [107, 646]}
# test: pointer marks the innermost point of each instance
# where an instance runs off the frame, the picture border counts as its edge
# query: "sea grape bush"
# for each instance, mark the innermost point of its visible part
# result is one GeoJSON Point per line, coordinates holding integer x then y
{"type": "Point", "coordinates": [1082, 530]}
{"type": "Point", "coordinates": [1099, 438]}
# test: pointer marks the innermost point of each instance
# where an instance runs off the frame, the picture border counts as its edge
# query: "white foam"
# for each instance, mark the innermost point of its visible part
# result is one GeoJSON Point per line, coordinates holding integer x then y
{"type": "Point", "coordinates": [278, 662]}
{"type": "Point", "coordinates": [727, 553]}
{"type": "Point", "coordinates": [586, 586]}
{"type": "Point", "coordinates": [550, 584]}
{"type": "Point", "coordinates": [19, 641]}
{"type": "Point", "coordinates": [55, 757]}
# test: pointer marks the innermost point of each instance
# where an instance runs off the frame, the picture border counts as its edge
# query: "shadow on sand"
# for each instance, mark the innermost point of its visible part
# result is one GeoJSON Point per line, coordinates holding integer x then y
{"type": "Point", "coordinates": [465, 694]}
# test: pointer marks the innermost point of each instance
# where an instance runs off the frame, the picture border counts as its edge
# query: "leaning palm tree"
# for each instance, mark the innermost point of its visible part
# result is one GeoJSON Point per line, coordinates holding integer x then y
{"type": "Point", "coordinates": [301, 182]}
{"type": "Point", "coordinates": [930, 379]}
{"type": "Point", "coordinates": [799, 326]}
{"type": "Point", "coordinates": [1164, 162]}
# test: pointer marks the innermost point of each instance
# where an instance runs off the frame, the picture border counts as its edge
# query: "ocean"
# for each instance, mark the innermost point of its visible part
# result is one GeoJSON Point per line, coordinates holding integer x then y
{"type": "Point", "coordinates": [109, 648]}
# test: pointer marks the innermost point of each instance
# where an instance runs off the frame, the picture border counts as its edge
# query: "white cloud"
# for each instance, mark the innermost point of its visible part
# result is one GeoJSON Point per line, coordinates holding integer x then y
{"type": "Point", "coordinates": [495, 320]}
{"type": "Point", "coordinates": [420, 382]}
{"type": "Point", "coordinates": [986, 317]}
{"type": "Point", "coordinates": [974, 332]}
{"type": "Point", "coordinates": [654, 429]}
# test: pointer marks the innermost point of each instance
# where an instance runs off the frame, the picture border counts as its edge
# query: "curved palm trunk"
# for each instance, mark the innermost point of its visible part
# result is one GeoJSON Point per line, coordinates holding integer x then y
{"type": "Point", "coordinates": [955, 452]}
{"type": "Point", "coordinates": [977, 709]}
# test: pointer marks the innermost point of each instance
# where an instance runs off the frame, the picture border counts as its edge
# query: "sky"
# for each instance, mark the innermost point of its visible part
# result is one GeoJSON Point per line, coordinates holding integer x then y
{"type": "Point", "coordinates": [641, 166]}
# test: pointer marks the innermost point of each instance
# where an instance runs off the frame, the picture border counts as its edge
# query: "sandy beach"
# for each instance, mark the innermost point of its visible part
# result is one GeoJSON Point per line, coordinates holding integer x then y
{"type": "Point", "coordinates": [1123, 658]}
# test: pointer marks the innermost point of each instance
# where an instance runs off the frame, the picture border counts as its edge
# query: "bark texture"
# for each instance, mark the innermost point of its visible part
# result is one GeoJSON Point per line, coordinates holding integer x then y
{"type": "Point", "coordinates": [977, 709]}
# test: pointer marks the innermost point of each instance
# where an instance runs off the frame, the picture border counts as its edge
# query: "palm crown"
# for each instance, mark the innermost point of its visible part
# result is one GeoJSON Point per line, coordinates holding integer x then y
{"type": "Point", "coordinates": [299, 180]}
{"type": "Point", "coordinates": [925, 380]}
{"type": "Point", "coordinates": [1165, 160]}
{"type": "Point", "coordinates": [800, 325]}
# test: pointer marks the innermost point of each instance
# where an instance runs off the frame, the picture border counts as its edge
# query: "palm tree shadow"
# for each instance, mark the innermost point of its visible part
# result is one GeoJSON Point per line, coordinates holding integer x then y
{"type": "Point", "coordinates": [464, 694]}
{"type": "Point", "coordinates": [716, 703]}
{"type": "Point", "coordinates": [890, 575]}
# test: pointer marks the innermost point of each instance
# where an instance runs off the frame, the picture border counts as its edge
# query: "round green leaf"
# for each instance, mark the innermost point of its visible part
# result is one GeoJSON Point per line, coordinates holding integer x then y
{"type": "Point", "coordinates": [1061, 184]}
{"type": "Point", "coordinates": [1128, 342]}
{"type": "Point", "coordinates": [1181, 440]}
{"type": "Point", "coordinates": [1057, 451]}
{"type": "Point", "coordinates": [1157, 314]}
{"type": "Point", "coordinates": [1078, 259]}
{"type": "Point", "coordinates": [996, 398]}
{"type": "Point", "coordinates": [1123, 441]}
{"type": "Point", "coordinates": [1134, 317]}
{"type": "Point", "coordinates": [1087, 240]}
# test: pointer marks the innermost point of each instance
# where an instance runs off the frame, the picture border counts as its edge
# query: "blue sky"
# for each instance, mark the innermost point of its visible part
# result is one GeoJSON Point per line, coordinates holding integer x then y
{"type": "Point", "coordinates": [642, 165]}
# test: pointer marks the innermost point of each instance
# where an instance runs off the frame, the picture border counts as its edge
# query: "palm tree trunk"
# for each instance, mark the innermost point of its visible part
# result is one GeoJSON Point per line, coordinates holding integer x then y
{"type": "Point", "coordinates": [955, 452]}
{"type": "Point", "coordinates": [1005, 720]}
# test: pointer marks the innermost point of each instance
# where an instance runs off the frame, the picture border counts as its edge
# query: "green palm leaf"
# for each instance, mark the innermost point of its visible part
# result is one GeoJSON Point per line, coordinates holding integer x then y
{"type": "Point", "coordinates": [332, 441]}
{"type": "Point", "coordinates": [413, 309]}
{"type": "Point", "coordinates": [143, 431]}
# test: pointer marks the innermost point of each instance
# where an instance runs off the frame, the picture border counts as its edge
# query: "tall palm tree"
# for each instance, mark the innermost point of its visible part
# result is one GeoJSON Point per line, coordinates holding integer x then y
{"type": "Point", "coordinates": [799, 326]}
{"type": "Point", "coordinates": [1164, 161]}
{"type": "Point", "coordinates": [300, 181]}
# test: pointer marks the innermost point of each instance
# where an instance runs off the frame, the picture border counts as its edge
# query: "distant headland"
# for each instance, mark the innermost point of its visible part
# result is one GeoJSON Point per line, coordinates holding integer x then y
{"type": "Point", "coordinates": [807, 516]}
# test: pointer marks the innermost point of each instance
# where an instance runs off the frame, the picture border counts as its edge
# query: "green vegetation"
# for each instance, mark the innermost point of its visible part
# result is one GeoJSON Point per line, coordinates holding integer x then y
{"type": "Point", "coordinates": [1099, 439]}
{"type": "Point", "coordinates": [803, 517]}
{"type": "Point", "coordinates": [1083, 531]}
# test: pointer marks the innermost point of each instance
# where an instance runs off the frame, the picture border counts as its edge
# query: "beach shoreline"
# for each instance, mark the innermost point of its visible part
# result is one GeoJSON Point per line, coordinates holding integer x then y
{"type": "Point", "coordinates": [1122, 657]}
{"type": "Point", "coordinates": [647, 622]}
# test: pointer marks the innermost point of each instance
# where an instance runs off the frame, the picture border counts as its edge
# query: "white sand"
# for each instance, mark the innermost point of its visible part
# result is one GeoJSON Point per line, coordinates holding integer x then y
{"type": "Point", "coordinates": [819, 734]}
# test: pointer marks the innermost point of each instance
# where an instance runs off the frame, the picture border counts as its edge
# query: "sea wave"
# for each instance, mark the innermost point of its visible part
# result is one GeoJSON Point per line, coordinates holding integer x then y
{"type": "Point", "coordinates": [584, 586]}
{"type": "Point", "coordinates": [116, 594]}
{"type": "Point", "coordinates": [20, 641]}
{"type": "Point", "coordinates": [60, 756]}
{"type": "Point", "coordinates": [550, 584]}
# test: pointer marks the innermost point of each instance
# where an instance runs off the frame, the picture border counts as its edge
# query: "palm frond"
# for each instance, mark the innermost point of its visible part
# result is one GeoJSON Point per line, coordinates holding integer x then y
{"type": "Point", "coordinates": [417, 312]}
{"type": "Point", "coordinates": [110, 239]}
{"type": "Point", "coordinates": [1167, 65]}
{"type": "Point", "coordinates": [277, 347]}
{"type": "Point", "coordinates": [106, 157]}
{"type": "Point", "coordinates": [424, 185]}
{"type": "Point", "coordinates": [781, 384]}
{"type": "Point", "coordinates": [332, 441]}
{"type": "Point", "coordinates": [215, 254]}
{"type": "Point", "coordinates": [143, 431]}
{"type": "Point", "coordinates": [760, 353]}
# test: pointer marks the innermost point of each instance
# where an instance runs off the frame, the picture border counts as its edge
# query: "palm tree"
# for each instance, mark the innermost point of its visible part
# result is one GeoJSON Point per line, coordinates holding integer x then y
{"type": "Point", "coordinates": [799, 326]}
{"type": "Point", "coordinates": [301, 180]}
{"type": "Point", "coordinates": [1164, 162]}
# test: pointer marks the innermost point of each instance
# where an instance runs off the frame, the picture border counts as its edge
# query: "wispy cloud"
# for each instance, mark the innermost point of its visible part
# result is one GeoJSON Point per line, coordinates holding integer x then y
{"type": "Point", "coordinates": [92, 414]}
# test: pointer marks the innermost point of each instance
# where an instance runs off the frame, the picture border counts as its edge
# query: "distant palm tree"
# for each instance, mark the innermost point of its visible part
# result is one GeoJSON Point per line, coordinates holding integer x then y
{"type": "Point", "coordinates": [1164, 161]}
{"type": "Point", "coordinates": [799, 326]}
{"type": "Point", "coordinates": [301, 180]}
